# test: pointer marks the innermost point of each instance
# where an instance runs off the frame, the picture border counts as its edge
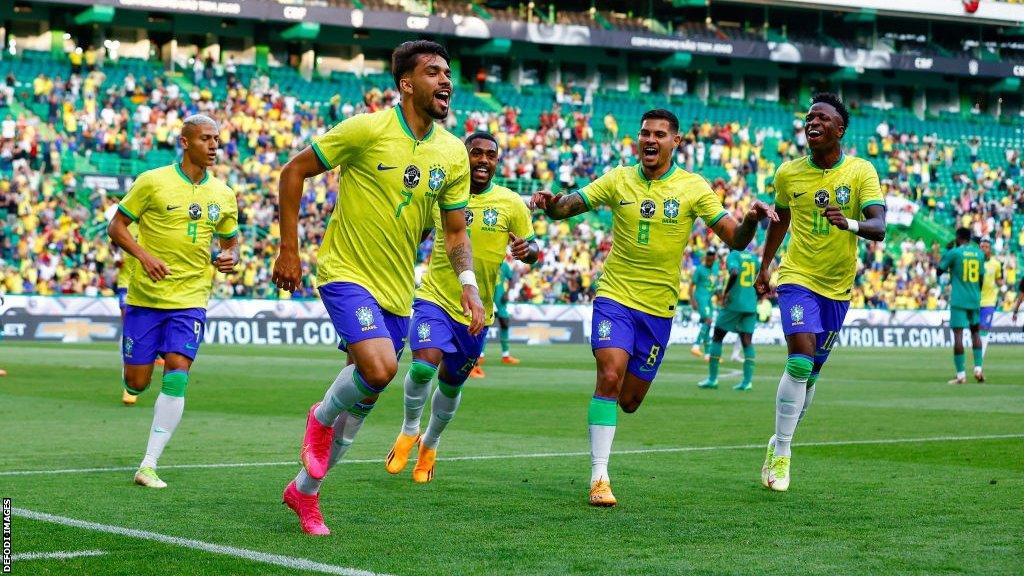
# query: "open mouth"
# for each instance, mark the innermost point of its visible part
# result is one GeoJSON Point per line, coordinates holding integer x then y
{"type": "Point", "coordinates": [443, 97]}
{"type": "Point", "coordinates": [814, 133]}
{"type": "Point", "coordinates": [650, 152]}
{"type": "Point", "coordinates": [481, 171]}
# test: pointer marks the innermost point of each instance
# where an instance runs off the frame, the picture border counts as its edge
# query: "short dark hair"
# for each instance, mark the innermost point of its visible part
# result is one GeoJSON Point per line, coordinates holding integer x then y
{"type": "Point", "coordinates": [481, 135]}
{"type": "Point", "coordinates": [834, 101]}
{"type": "Point", "coordinates": [963, 234]}
{"type": "Point", "coordinates": [405, 56]}
{"type": "Point", "coordinates": [661, 114]}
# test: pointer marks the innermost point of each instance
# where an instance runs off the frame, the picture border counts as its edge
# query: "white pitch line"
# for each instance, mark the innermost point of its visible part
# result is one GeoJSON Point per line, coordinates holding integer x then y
{"type": "Point", "coordinates": [262, 557]}
{"type": "Point", "coordinates": [532, 455]}
{"type": "Point", "coordinates": [54, 555]}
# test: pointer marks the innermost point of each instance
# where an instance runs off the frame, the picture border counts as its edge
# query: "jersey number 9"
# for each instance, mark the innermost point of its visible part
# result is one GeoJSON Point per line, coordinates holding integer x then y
{"type": "Point", "coordinates": [193, 230]}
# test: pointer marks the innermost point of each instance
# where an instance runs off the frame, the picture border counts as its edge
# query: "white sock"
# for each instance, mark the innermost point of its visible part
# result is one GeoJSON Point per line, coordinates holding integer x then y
{"type": "Point", "coordinates": [345, 429]}
{"type": "Point", "coordinates": [442, 410]}
{"type": "Point", "coordinates": [415, 399]}
{"type": "Point", "coordinates": [342, 395]}
{"type": "Point", "coordinates": [808, 397]}
{"type": "Point", "coordinates": [166, 415]}
{"type": "Point", "coordinates": [961, 374]}
{"type": "Point", "coordinates": [736, 347]}
{"type": "Point", "coordinates": [984, 345]}
{"type": "Point", "coordinates": [789, 401]}
{"type": "Point", "coordinates": [600, 450]}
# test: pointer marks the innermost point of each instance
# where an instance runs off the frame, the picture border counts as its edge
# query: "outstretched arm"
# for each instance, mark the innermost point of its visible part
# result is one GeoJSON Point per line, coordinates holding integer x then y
{"type": "Point", "coordinates": [287, 268]}
{"type": "Point", "coordinates": [559, 206]}
{"type": "Point", "coordinates": [776, 232]}
{"type": "Point", "coordinates": [739, 234]}
{"type": "Point", "coordinates": [460, 254]}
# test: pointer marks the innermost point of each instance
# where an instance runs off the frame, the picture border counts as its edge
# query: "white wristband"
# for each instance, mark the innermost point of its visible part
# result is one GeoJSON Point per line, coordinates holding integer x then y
{"type": "Point", "coordinates": [468, 278]}
{"type": "Point", "coordinates": [853, 225]}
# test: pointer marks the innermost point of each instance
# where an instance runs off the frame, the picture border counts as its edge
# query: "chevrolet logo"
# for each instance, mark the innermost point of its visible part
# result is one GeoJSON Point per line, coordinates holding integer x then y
{"type": "Point", "coordinates": [76, 330]}
{"type": "Point", "coordinates": [540, 333]}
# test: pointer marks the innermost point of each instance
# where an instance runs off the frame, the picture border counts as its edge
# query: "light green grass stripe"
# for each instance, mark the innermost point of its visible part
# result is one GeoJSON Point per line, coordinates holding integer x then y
{"type": "Point", "coordinates": [289, 562]}
{"type": "Point", "coordinates": [537, 454]}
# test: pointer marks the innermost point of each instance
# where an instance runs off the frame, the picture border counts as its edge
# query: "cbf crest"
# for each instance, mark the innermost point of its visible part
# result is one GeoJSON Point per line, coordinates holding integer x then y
{"type": "Point", "coordinates": [423, 331]}
{"type": "Point", "coordinates": [436, 178]}
{"type": "Point", "coordinates": [821, 198]}
{"type": "Point", "coordinates": [843, 195]}
{"type": "Point", "coordinates": [213, 211]}
{"type": "Point", "coordinates": [796, 314]}
{"type": "Point", "coordinates": [411, 177]}
{"type": "Point", "coordinates": [671, 208]}
{"type": "Point", "coordinates": [647, 208]}
{"type": "Point", "coordinates": [365, 317]}
{"type": "Point", "coordinates": [127, 345]}
{"type": "Point", "coordinates": [604, 329]}
{"type": "Point", "coordinates": [490, 216]}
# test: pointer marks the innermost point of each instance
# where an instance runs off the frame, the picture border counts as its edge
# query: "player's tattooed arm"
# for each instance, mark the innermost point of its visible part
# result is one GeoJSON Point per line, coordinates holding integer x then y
{"type": "Point", "coordinates": [119, 234]}
{"type": "Point", "coordinates": [460, 254]}
{"type": "Point", "coordinates": [559, 206]}
{"type": "Point", "coordinates": [872, 229]}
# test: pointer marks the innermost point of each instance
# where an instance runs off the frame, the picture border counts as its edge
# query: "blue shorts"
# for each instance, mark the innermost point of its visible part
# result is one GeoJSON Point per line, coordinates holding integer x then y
{"type": "Point", "coordinates": [805, 311]}
{"type": "Point", "coordinates": [986, 317]}
{"type": "Point", "coordinates": [432, 327]}
{"type": "Point", "coordinates": [122, 298]}
{"type": "Point", "coordinates": [152, 331]}
{"type": "Point", "coordinates": [642, 335]}
{"type": "Point", "coordinates": [357, 316]}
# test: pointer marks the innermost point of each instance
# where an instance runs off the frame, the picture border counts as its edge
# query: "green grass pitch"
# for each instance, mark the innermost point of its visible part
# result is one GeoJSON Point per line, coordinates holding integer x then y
{"type": "Point", "coordinates": [687, 477]}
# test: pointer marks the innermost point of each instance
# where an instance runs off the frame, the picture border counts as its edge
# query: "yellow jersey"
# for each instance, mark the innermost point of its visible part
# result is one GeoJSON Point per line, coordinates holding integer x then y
{"type": "Point", "coordinates": [821, 257]}
{"type": "Point", "coordinates": [651, 223]}
{"type": "Point", "coordinates": [177, 222]}
{"type": "Point", "coordinates": [128, 262]}
{"type": "Point", "coordinates": [490, 216]}
{"type": "Point", "coordinates": [989, 290]}
{"type": "Point", "coordinates": [389, 184]}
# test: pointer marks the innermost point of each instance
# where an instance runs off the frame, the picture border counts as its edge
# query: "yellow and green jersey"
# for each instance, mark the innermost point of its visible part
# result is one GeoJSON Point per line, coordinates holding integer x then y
{"type": "Point", "coordinates": [128, 262]}
{"type": "Point", "coordinates": [705, 282]}
{"type": "Point", "coordinates": [989, 290]}
{"type": "Point", "coordinates": [651, 225]}
{"type": "Point", "coordinates": [177, 222]}
{"type": "Point", "coordinates": [742, 296]}
{"type": "Point", "coordinates": [821, 257]}
{"type": "Point", "coordinates": [965, 265]}
{"type": "Point", "coordinates": [490, 216]}
{"type": "Point", "coordinates": [389, 185]}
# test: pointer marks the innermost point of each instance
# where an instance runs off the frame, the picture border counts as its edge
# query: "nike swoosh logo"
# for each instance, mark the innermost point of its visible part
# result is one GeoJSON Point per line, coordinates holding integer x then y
{"type": "Point", "coordinates": [191, 347]}
{"type": "Point", "coordinates": [169, 207]}
{"type": "Point", "coordinates": [382, 167]}
{"type": "Point", "coordinates": [799, 195]}
{"type": "Point", "coordinates": [626, 203]}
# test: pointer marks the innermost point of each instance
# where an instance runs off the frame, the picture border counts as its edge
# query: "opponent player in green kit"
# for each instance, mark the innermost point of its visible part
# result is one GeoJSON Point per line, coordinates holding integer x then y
{"type": "Point", "coordinates": [967, 274]}
{"type": "Point", "coordinates": [737, 314]}
{"type": "Point", "coordinates": [702, 288]}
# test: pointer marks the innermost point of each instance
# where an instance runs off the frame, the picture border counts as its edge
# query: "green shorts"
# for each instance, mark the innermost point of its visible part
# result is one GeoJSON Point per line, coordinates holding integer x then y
{"type": "Point", "coordinates": [732, 321]}
{"type": "Point", "coordinates": [964, 317]}
{"type": "Point", "coordinates": [704, 308]}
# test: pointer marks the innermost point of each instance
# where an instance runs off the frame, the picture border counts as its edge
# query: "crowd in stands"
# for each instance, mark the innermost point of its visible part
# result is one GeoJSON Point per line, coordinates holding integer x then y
{"type": "Point", "coordinates": [54, 239]}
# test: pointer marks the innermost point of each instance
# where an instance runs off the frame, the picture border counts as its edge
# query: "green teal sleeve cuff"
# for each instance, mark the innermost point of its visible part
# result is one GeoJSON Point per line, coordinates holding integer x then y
{"type": "Point", "coordinates": [872, 203]}
{"type": "Point", "coordinates": [227, 235]}
{"type": "Point", "coordinates": [455, 206]}
{"type": "Point", "coordinates": [127, 213]}
{"type": "Point", "coordinates": [530, 238]}
{"type": "Point", "coordinates": [717, 218]}
{"type": "Point", "coordinates": [319, 154]}
{"type": "Point", "coordinates": [781, 205]}
{"type": "Point", "coordinates": [586, 199]}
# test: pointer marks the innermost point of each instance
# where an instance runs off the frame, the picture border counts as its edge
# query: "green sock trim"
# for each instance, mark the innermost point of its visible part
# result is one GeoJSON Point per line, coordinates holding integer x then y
{"type": "Point", "coordinates": [960, 362]}
{"type": "Point", "coordinates": [132, 391]}
{"type": "Point", "coordinates": [503, 336]}
{"type": "Point", "coordinates": [449, 390]}
{"type": "Point", "coordinates": [174, 383]}
{"type": "Point", "coordinates": [360, 410]}
{"type": "Point", "coordinates": [603, 412]}
{"type": "Point", "coordinates": [983, 334]}
{"type": "Point", "coordinates": [978, 357]}
{"type": "Point", "coordinates": [362, 385]}
{"type": "Point", "coordinates": [812, 379]}
{"type": "Point", "coordinates": [799, 367]}
{"type": "Point", "coordinates": [422, 372]}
